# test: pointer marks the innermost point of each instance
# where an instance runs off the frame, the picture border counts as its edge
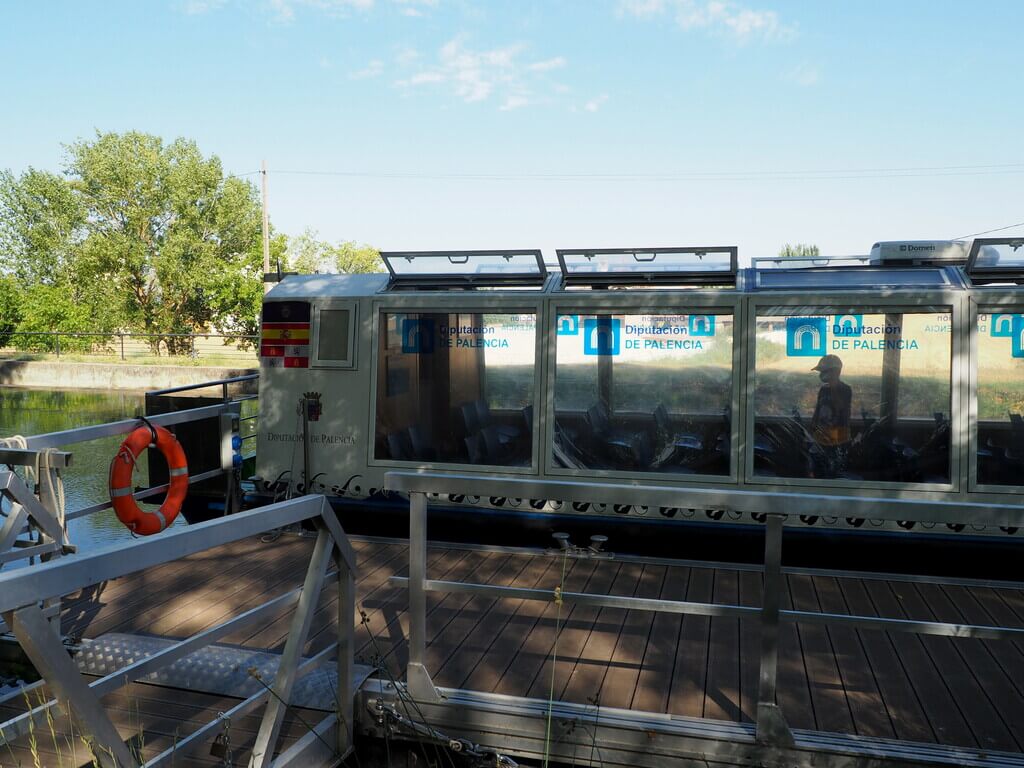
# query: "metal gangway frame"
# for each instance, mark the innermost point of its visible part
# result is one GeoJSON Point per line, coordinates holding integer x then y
{"type": "Point", "coordinates": [630, 737]}
{"type": "Point", "coordinates": [22, 592]}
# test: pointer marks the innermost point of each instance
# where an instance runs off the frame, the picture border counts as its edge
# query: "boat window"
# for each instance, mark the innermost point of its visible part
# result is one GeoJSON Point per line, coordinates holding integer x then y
{"type": "Point", "coordinates": [335, 331]}
{"type": "Point", "coordinates": [996, 260]}
{"type": "Point", "coordinates": [1001, 398]}
{"type": "Point", "coordinates": [644, 392]}
{"type": "Point", "coordinates": [642, 266]}
{"type": "Point", "coordinates": [854, 396]}
{"type": "Point", "coordinates": [850, 278]}
{"type": "Point", "coordinates": [446, 269]}
{"type": "Point", "coordinates": [456, 387]}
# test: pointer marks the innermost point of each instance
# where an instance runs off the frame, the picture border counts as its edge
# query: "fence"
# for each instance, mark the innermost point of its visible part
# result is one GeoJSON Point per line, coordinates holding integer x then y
{"type": "Point", "coordinates": [525, 723]}
{"type": "Point", "coordinates": [208, 348]}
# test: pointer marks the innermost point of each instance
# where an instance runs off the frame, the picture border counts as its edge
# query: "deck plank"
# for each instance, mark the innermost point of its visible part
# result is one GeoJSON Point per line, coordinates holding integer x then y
{"type": "Point", "coordinates": [534, 649]}
{"type": "Point", "coordinates": [722, 693]}
{"type": "Point", "coordinates": [929, 683]}
{"type": "Point", "coordinates": [828, 695]}
{"type": "Point", "coordinates": [751, 594]}
{"type": "Point", "coordinates": [654, 682]}
{"type": "Point", "coordinates": [689, 676]}
{"type": "Point", "coordinates": [620, 682]}
{"type": "Point", "coordinates": [869, 715]}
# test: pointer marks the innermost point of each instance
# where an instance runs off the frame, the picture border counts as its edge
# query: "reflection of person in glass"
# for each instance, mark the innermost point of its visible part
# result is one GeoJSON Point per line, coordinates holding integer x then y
{"type": "Point", "coordinates": [830, 425]}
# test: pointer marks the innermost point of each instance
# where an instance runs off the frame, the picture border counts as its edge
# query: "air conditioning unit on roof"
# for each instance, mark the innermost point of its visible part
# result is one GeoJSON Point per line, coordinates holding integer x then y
{"type": "Point", "coordinates": [912, 253]}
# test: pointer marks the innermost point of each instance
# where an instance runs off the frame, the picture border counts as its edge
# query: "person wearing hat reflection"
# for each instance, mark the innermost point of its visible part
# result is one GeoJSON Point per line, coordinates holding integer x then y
{"type": "Point", "coordinates": [830, 425]}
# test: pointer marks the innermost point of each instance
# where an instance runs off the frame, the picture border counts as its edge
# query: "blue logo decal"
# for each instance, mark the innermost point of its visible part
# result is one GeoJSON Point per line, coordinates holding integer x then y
{"type": "Point", "coordinates": [702, 325]}
{"type": "Point", "coordinates": [601, 336]}
{"type": "Point", "coordinates": [568, 325]}
{"type": "Point", "coordinates": [848, 325]}
{"type": "Point", "coordinates": [418, 335]}
{"type": "Point", "coordinates": [806, 336]}
{"type": "Point", "coordinates": [1018, 336]}
{"type": "Point", "coordinates": [1001, 326]}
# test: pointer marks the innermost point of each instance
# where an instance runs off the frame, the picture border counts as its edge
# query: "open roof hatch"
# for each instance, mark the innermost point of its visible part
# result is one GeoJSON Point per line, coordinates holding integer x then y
{"type": "Point", "coordinates": [996, 260]}
{"type": "Point", "coordinates": [715, 265]}
{"type": "Point", "coordinates": [466, 269]}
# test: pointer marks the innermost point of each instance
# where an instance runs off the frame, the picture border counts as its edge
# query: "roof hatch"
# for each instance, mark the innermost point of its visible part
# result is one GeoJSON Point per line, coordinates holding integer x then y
{"type": "Point", "coordinates": [468, 269]}
{"type": "Point", "coordinates": [714, 265]}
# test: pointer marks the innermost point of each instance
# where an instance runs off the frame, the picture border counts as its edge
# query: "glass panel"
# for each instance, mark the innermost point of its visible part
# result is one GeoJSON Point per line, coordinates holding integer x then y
{"type": "Point", "coordinates": [644, 393]}
{"type": "Point", "coordinates": [334, 335]}
{"type": "Point", "coordinates": [465, 263]}
{"type": "Point", "coordinates": [853, 396]}
{"type": "Point", "coordinates": [1007, 255]}
{"type": "Point", "coordinates": [627, 261]}
{"type": "Point", "coordinates": [456, 388]}
{"type": "Point", "coordinates": [846, 277]}
{"type": "Point", "coordinates": [1001, 399]}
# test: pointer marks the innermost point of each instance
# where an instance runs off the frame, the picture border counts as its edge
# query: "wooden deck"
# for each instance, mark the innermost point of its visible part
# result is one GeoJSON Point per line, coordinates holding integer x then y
{"type": "Point", "coordinates": [959, 692]}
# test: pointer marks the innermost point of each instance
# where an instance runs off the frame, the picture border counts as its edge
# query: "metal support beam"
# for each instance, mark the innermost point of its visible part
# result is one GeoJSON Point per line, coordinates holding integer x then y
{"type": "Point", "coordinates": [345, 736]}
{"type": "Point", "coordinates": [417, 677]}
{"type": "Point", "coordinates": [771, 725]}
{"type": "Point", "coordinates": [270, 728]}
{"type": "Point", "coordinates": [311, 748]}
{"type": "Point", "coordinates": [52, 661]}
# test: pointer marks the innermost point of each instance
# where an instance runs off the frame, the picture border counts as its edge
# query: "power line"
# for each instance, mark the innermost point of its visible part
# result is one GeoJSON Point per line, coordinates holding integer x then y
{"type": "Point", "coordinates": [779, 175]}
{"type": "Point", "coordinates": [990, 231]}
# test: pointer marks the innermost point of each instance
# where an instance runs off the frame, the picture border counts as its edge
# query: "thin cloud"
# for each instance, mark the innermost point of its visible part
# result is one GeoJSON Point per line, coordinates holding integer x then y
{"type": "Point", "coordinates": [547, 65]}
{"type": "Point", "coordinates": [596, 103]}
{"type": "Point", "coordinates": [476, 76]}
{"type": "Point", "coordinates": [721, 17]}
{"type": "Point", "coordinates": [373, 69]}
{"type": "Point", "coordinates": [804, 75]}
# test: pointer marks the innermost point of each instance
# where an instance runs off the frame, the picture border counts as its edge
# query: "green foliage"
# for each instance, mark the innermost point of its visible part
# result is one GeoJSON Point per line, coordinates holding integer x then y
{"type": "Point", "coordinates": [800, 250]}
{"type": "Point", "coordinates": [168, 230]}
{"type": "Point", "coordinates": [147, 236]}
{"type": "Point", "coordinates": [351, 258]}
{"type": "Point", "coordinates": [308, 254]}
{"type": "Point", "coordinates": [10, 307]}
{"type": "Point", "coordinates": [41, 224]}
{"type": "Point", "coordinates": [45, 308]}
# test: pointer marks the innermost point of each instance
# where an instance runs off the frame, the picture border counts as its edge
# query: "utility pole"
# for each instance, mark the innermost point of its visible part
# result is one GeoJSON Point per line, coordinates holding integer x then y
{"type": "Point", "coordinates": [266, 228]}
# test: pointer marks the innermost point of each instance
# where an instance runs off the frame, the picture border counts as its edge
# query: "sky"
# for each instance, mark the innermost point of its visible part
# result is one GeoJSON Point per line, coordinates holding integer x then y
{"type": "Point", "coordinates": [433, 124]}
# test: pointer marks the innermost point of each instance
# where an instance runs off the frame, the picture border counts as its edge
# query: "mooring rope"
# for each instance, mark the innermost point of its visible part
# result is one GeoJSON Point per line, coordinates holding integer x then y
{"type": "Point", "coordinates": [554, 658]}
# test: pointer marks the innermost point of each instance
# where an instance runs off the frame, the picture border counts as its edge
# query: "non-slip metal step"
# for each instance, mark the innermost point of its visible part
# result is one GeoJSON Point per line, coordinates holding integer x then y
{"type": "Point", "coordinates": [217, 669]}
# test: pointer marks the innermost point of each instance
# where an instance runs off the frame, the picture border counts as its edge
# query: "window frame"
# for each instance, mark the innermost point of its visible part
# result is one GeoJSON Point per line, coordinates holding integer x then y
{"type": "Point", "coordinates": [988, 302]}
{"type": "Point", "coordinates": [652, 303]}
{"type": "Point", "coordinates": [446, 303]}
{"type": "Point", "coordinates": [351, 363]}
{"type": "Point", "coordinates": [862, 303]}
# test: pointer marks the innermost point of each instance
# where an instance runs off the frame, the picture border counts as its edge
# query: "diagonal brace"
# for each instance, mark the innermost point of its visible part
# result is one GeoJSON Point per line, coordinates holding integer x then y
{"type": "Point", "coordinates": [46, 652]}
{"type": "Point", "coordinates": [284, 680]}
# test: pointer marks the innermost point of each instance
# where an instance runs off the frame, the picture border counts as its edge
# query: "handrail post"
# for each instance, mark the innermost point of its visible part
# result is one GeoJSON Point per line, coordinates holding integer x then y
{"type": "Point", "coordinates": [417, 677]}
{"type": "Point", "coordinates": [346, 653]}
{"type": "Point", "coordinates": [771, 725]}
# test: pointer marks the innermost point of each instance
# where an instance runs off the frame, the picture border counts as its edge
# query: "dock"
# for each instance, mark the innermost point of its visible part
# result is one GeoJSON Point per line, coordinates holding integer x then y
{"type": "Point", "coordinates": [966, 693]}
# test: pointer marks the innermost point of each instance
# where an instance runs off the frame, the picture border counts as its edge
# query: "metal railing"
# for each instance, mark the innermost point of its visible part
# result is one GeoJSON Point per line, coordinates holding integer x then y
{"type": "Point", "coordinates": [214, 348]}
{"type": "Point", "coordinates": [22, 591]}
{"type": "Point", "coordinates": [771, 731]}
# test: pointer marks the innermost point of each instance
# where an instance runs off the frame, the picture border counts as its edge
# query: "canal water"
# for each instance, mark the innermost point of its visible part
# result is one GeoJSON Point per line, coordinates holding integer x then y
{"type": "Point", "coordinates": [38, 411]}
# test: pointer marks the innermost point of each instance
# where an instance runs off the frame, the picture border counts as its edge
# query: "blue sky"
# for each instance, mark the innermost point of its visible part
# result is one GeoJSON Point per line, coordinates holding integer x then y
{"type": "Point", "coordinates": [545, 124]}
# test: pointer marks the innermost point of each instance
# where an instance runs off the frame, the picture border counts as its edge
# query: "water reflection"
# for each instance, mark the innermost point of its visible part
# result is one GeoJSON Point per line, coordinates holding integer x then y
{"type": "Point", "coordinates": [38, 411]}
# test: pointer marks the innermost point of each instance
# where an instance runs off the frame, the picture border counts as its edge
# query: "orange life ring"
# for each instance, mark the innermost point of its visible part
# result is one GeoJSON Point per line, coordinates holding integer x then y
{"type": "Point", "coordinates": [128, 512]}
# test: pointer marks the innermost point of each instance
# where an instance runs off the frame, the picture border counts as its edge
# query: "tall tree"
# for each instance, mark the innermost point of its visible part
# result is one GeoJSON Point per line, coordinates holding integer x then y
{"type": "Point", "coordinates": [169, 230]}
{"type": "Point", "coordinates": [800, 250]}
{"type": "Point", "coordinates": [351, 258]}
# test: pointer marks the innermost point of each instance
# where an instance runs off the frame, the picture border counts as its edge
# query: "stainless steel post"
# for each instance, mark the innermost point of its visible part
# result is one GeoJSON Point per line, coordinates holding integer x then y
{"type": "Point", "coordinates": [771, 725]}
{"type": "Point", "coordinates": [417, 677]}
